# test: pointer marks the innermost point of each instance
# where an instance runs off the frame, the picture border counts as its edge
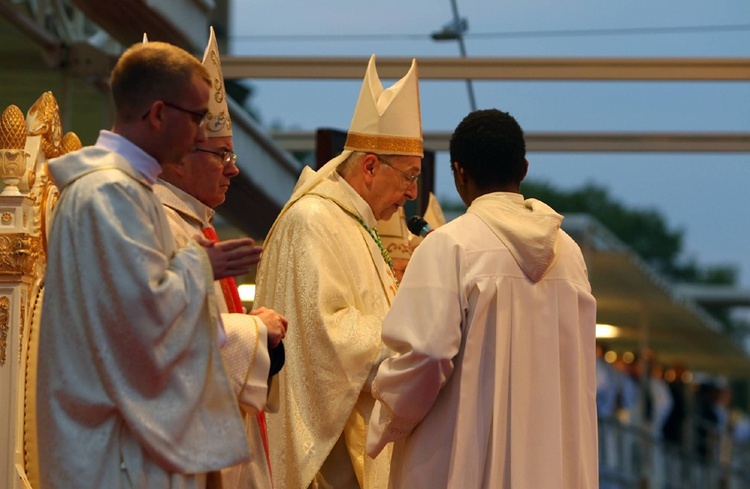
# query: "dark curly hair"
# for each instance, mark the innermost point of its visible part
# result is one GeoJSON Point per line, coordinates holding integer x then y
{"type": "Point", "coordinates": [489, 146]}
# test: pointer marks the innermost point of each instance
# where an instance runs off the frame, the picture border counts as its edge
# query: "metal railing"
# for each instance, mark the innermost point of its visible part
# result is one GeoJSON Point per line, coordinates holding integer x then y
{"type": "Point", "coordinates": [632, 457]}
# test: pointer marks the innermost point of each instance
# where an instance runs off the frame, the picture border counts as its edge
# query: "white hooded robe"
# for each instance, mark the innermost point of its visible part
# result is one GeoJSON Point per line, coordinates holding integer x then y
{"type": "Point", "coordinates": [493, 385]}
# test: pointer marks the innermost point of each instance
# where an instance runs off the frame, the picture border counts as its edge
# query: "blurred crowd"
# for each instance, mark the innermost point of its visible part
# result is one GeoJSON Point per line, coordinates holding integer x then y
{"type": "Point", "coordinates": [667, 427]}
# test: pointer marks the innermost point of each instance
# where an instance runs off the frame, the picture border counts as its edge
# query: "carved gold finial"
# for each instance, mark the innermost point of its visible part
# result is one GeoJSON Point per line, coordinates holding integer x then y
{"type": "Point", "coordinates": [12, 128]}
{"type": "Point", "coordinates": [44, 120]}
{"type": "Point", "coordinates": [71, 142]}
{"type": "Point", "coordinates": [12, 149]}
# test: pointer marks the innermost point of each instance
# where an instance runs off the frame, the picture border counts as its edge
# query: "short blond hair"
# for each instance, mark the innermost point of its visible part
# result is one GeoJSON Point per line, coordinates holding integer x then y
{"type": "Point", "coordinates": [151, 71]}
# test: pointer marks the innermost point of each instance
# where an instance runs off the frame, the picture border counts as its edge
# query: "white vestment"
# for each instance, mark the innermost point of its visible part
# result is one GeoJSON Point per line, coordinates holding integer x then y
{"type": "Point", "coordinates": [325, 273]}
{"type": "Point", "coordinates": [132, 388]}
{"type": "Point", "coordinates": [245, 353]}
{"type": "Point", "coordinates": [493, 384]}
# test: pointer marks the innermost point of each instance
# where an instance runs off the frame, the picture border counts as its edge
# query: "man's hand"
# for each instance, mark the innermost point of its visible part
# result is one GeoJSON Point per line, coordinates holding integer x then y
{"type": "Point", "coordinates": [276, 324]}
{"type": "Point", "coordinates": [231, 257]}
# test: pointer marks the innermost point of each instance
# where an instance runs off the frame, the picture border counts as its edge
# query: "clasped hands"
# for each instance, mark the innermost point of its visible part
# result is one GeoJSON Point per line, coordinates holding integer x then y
{"type": "Point", "coordinates": [276, 324]}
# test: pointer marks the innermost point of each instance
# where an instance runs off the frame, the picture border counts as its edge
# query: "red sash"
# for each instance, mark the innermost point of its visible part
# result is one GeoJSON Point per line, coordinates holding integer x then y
{"type": "Point", "coordinates": [234, 305]}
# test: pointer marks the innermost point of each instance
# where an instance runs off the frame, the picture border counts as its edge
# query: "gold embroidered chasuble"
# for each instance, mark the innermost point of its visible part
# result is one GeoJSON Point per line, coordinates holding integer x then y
{"type": "Point", "coordinates": [245, 353]}
{"type": "Point", "coordinates": [136, 391]}
{"type": "Point", "coordinates": [325, 273]}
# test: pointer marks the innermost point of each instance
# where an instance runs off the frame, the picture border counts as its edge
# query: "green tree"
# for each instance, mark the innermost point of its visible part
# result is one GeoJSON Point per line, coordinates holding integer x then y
{"type": "Point", "coordinates": [644, 230]}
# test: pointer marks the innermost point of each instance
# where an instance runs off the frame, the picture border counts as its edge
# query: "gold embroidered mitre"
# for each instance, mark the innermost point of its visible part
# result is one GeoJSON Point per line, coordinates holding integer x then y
{"type": "Point", "coordinates": [395, 235]}
{"type": "Point", "coordinates": [434, 217]}
{"type": "Point", "coordinates": [218, 122]}
{"type": "Point", "coordinates": [387, 121]}
{"type": "Point", "coordinates": [434, 213]}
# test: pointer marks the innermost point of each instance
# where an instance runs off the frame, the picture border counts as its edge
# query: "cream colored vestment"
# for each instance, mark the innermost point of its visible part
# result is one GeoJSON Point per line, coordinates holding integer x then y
{"type": "Point", "coordinates": [325, 273]}
{"type": "Point", "coordinates": [135, 393]}
{"type": "Point", "coordinates": [245, 352]}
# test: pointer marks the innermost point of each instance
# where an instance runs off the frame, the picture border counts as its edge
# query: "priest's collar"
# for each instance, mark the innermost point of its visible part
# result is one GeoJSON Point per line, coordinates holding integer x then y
{"type": "Point", "coordinates": [142, 162]}
{"type": "Point", "coordinates": [187, 204]}
{"type": "Point", "coordinates": [362, 207]}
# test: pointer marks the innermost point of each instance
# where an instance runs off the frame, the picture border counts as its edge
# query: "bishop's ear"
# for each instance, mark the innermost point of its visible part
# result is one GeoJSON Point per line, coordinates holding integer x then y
{"type": "Point", "coordinates": [368, 165]}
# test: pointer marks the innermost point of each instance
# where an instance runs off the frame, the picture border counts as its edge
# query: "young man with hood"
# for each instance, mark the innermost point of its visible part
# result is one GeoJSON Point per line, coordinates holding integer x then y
{"type": "Point", "coordinates": [493, 381]}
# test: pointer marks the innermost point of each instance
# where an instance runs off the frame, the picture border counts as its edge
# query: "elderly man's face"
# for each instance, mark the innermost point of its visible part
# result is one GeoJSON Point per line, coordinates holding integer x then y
{"type": "Point", "coordinates": [394, 183]}
{"type": "Point", "coordinates": [209, 169]}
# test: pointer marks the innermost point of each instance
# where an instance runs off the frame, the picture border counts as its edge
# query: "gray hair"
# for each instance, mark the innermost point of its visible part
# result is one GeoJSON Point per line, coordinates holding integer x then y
{"type": "Point", "coordinates": [350, 163]}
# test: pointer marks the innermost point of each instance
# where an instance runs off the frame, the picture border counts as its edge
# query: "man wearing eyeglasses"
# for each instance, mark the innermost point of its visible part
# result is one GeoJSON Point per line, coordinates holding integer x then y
{"type": "Point", "coordinates": [253, 353]}
{"type": "Point", "coordinates": [325, 268]}
{"type": "Point", "coordinates": [132, 388]}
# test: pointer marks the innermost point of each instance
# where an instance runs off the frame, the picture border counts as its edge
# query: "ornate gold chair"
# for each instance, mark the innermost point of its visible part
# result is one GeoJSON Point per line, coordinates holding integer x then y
{"type": "Point", "coordinates": [26, 203]}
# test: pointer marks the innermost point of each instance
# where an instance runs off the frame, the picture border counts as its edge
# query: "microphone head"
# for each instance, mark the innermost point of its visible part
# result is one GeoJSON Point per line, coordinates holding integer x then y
{"type": "Point", "coordinates": [417, 225]}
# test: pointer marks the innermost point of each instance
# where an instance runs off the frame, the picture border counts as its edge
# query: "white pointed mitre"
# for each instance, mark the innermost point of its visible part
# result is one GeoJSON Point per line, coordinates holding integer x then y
{"type": "Point", "coordinates": [218, 123]}
{"type": "Point", "coordinates": [434, 214]}
{"type": "Point", "coordinates": [434, 217]}
{"type": "Point", "coordinates": [387, 121]}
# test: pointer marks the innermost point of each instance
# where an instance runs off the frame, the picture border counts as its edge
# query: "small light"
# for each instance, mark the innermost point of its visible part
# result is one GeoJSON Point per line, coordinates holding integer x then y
{"type": "Point", "coordinates": [628, 357]}
{"type": "Point", "coordinates": [606, 331]}
{"type": "Point", "coordinates": [670, 375]}
{"type": "Point", "coordinates": [686, 377]}
{"type": "Point", "coordinates": [247, 292]}
{"type": "Point", "coordinates": [610, 357]}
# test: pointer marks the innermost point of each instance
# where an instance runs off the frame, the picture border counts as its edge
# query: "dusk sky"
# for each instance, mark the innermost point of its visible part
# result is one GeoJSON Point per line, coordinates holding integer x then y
{"type": "Point", "coordinates": [706, 194]}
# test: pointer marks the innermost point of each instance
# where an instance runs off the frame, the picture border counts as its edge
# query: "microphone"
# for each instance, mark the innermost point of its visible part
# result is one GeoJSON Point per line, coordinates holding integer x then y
{"type": "Point", "coordinates": [417, 225]}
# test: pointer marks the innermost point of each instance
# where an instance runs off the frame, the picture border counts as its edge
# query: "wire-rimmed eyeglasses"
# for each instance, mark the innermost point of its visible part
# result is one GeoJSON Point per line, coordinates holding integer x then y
{"type": "Point", "coordinates": [198, 117]}
{"type": "Point", "coordinates": [409, 178]}
{"type": "Point", "coordinates": [227, 157]}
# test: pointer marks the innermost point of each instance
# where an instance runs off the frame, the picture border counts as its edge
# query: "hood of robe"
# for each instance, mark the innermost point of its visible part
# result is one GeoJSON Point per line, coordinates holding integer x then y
{"type": "Point", "coordinates": [69, 168]}
{"type": "Point", "coordinates": [528, 227]}
{"type": "Point", "coordinates": [306, 177]}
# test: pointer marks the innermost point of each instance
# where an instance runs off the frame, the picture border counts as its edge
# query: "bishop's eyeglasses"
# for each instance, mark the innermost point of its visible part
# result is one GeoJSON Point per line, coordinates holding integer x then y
{"type": "Point", "coordinates": [227, 157]}
{"type": "Point", "coordinates": [409, 178]}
